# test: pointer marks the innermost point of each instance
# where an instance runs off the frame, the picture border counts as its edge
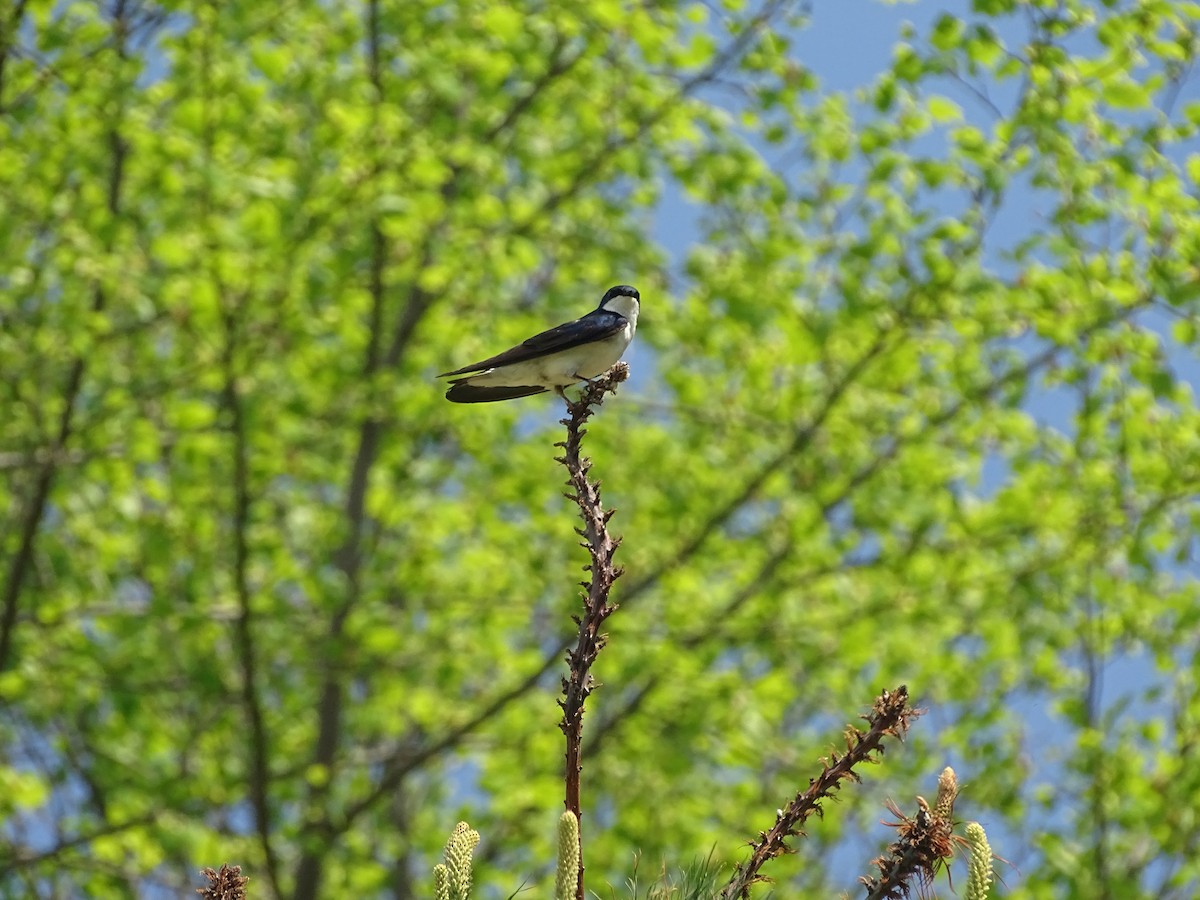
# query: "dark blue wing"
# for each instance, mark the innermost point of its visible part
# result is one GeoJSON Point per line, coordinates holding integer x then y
{"type": "Point", "coordinates": [461, 392]}
{"type": "Point", "coordinates": [595, 326]}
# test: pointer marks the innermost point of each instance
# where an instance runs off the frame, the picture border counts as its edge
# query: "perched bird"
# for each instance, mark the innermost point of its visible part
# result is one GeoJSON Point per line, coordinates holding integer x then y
{"type": "Point", "coordinates": [574, 351]}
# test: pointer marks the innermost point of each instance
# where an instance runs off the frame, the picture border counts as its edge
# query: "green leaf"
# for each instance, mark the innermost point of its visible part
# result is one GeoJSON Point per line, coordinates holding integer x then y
{"type": "Point", "coordinates": [943, 109]}
{"type": "Point", "coordinates": [1123, 93]}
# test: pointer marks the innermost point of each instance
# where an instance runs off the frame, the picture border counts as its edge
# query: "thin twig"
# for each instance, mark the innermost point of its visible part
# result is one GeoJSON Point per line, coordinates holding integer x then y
{"type": "Point", "coordinates": [601, 547]}
{"type": "Point", "coordinates": [15, 856]}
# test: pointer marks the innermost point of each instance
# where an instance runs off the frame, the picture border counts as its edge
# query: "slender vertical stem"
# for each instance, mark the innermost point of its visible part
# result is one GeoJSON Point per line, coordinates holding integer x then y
{"type": "Point", "coordinates": [601, 547]}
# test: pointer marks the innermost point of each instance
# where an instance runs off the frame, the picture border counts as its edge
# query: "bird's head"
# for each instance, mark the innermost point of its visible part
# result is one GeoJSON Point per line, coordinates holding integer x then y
{"type": "Point", "coordinates": [623, 299]}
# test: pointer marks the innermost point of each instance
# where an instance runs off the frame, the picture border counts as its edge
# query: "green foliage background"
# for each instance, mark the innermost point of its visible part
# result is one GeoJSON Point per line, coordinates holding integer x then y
{"type": "Point", "coordinates": [266, 598]}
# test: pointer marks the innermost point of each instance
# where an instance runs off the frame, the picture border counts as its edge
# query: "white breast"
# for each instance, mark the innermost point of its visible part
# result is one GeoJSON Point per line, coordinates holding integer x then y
{"type": "Point", "coordinates": [627, 307]}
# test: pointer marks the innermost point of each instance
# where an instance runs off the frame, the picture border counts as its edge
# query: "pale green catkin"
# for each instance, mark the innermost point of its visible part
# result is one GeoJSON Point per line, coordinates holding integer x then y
{"type": "Point", "coordinates": [441, 882]}
{"type": "Point", "coordinates": [458, 852]}
{"type": "Point", "coordinates": [568, 857]}
{"type": "Point", "coordinates": [979, 867]}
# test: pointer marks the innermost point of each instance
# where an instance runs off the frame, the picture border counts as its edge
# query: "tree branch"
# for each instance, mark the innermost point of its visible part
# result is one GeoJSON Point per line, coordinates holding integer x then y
{"type": "Point", "coordinates": [16, 857]}
{"type": "Point", "coordinates": [601, 547]}
{"type": "Point", "coordinates": [348, 557]}
{"type": "Point", "coordinates": [258, 742]}
{"type": "Point", "coordinates": [403, 762]}
{"type": "Point", "coordinates": [592, 170]}
{"type": "Point", "coordinates": [800, 440]}
{"type": "Point", "coordinates": [32, 520]}
{"type": "Point", "coordinates": [260, 774]}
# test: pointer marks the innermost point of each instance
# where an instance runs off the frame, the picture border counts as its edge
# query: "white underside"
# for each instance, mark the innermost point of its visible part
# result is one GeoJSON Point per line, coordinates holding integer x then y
{"type": "Point", "coordinates": [559, 369]}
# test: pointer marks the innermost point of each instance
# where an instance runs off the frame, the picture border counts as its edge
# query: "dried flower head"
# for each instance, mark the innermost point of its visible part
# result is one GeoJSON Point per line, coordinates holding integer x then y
{"type": "Point", "coordinates": [226, 883]}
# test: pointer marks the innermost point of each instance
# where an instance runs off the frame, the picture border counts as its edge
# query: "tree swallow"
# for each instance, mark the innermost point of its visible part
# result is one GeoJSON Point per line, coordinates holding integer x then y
{"type": "Point", "coordinates": [575, 351]}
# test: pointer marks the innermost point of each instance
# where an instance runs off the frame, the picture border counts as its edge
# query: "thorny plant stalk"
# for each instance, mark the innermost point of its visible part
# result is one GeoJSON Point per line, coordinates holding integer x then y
{"type": "Point", "coordinates": [889, 717]}
{"type": "Point", "coordinates": [923, 843]}
{"type": "Point", "coordinates": [601, 547]}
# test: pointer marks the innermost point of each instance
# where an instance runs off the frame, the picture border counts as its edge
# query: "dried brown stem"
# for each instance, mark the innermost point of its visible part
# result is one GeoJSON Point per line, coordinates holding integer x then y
{"type": "Point", "coordinates": [922, 843]}
{"type": "Point", "coordinates": [601, 547]}
{"type": "Point", "coordinates": [890, 716]}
